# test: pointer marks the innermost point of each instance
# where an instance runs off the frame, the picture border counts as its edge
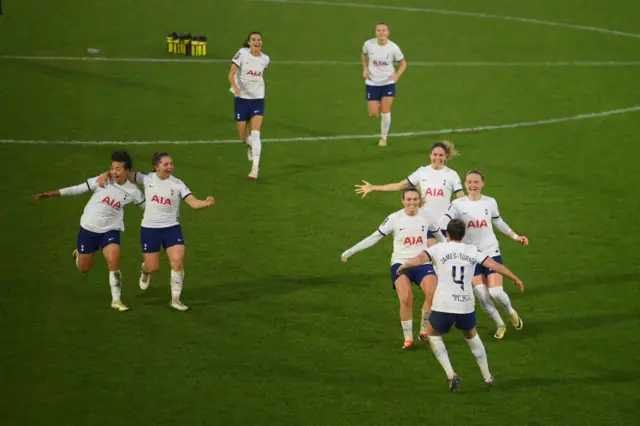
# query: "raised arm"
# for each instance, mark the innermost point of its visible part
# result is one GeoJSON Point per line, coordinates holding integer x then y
{"type": "Point", "coordinates": [366, 187]}
{"type": "Point", "coordinates": [504, 271]}
{"type": "Point", "coordinates": [362, 245]}
{"type": "Point", "coordinates": [194, 203]}
{"type": "Point", "coordinates": [104, 178]}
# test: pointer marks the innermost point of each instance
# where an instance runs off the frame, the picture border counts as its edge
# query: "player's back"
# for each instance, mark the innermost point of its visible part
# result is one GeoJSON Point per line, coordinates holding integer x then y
{"type": "Point", "coordinates": [455, 264]}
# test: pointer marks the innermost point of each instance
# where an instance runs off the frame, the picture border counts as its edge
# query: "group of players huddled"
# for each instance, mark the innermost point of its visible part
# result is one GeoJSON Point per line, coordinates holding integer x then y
{"type": "Point", "coordinates": [448, 249]}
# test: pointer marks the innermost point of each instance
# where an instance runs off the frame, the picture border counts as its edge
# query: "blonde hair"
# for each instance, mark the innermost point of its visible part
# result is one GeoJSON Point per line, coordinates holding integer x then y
{"type": "Point", "coordinates": [448, 146]}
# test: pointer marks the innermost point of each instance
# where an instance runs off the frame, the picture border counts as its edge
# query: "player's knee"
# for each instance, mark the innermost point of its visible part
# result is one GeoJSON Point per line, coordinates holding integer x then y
{"type": "Point", "coordinates": [151, 267]}
{"type": "Point", "coordinates": [84, 267]}
{"type": "Point", "coordinates": [176, 265]}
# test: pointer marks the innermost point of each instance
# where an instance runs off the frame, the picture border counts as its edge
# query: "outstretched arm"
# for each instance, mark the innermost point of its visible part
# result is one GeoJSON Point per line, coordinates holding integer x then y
{"type": "Point", "coordinates": [502, 226]}
{"type": "Point", "coordinates": [362, 245]}
{"type": "Point", "coordinates": [199, 204]}
{"type": "Point", "coordinates": [504, 271]}
{"type": "Point", "coordinates": [366, 187]}
{"type": "Point", "coordinates": [83, 188]}
{"type": "Point", "coordinates": [418, 260]}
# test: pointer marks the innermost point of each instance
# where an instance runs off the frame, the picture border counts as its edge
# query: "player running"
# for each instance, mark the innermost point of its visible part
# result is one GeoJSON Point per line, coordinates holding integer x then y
{"type": "Point", "coordinates": [480, 213]}
{"type": "Point", "coordinates": [453, 302]}
{"type": "Point", "coordinates": [247, 84]}
{"type": "Point", "coordinates": [437, 183]}
{"type": "Point", "coordinates": [378, 57]}
{"type": "Point", "coordinates": [409, 230]}
{"type": "Point", "coordinates": [103, 220]}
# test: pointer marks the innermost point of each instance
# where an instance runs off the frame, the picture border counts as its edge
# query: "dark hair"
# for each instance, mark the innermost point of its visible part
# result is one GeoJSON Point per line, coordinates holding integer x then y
{"type": "Point", "coordinates": [475, 172]}
{"type": "Point", "coordinates": [157, 156]}
{"type": "Point", "coordinates": [456, 230]}
{"type": "Point", "coordinates": [410, 189]}
{"type": "Point", "coordinates": [383, 23]}
{"type": "Point", "coordinates": [246, 42]}
{"type": "Point", "coordinates": [122, 157]}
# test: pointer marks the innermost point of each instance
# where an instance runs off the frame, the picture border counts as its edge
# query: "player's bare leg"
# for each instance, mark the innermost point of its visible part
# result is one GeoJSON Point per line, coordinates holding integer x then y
{"type": "Point", "coordinates": [256, 145]}
{"type": "Point", "coordinates": [478, 351]}
{"type": "Point", "coordinates": [176, 261]}
{"type": "Point", "coordinates": [150, 265]}
{"type": "Point", "coordinates": [243, 132]}
{"type": "Point", "coordinates": [428, 286]}
{"type": "Point", "coordinates": [385, 119]}
{"type": "Point", "coordinates": [112, 256]}
{"type": "Point", "coordinates": [496, 290]}
{"type": "Point", "coordinates": [84, 262]}
{"type": "Point", "coordinates": [481, 292]}
{"type": "Point", "coordinates": [440, 351]}
{"type": "Point", "coordinates": [405, 296]}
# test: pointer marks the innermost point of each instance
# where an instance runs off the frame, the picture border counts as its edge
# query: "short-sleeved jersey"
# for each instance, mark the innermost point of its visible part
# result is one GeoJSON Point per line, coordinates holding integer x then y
{"type": "Point", "coordinates": [455, 265]}
{"type": "Point", "coordinates": [163, 200]}
{"type": "Point", "coordinates": [104, 211]}
{"type": "Point", "coordinates": [250, 76]}
{"type": "Point", "coordinates": [409, 235]}
{"type": "Point", "coordinates": [477, 216]}
{"type": "Point", "coordinates": [436, 187]}
{"type": "Point", "coordinates": [381, 60]}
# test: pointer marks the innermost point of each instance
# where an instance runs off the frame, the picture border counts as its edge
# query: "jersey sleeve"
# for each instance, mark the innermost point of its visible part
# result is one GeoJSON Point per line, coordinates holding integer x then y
{"type": "Point", "coordinates": [238, 58]}
{"type": "Point", "coordinates": [453, 212]}
{"type": "Point", "coordinates": [138, 197]}
{"type": "Point", "coordinates": [184, 190]}
{"type": "Point", "coordinates": [481, 257]}
{"type": "Point", "coordinates": [88, 185]}
{"type": "Point", "coordinates": [456, 184]}
{"type": "Point", "coordinates": [414, 178]}
{"type": "Point", "coordinates": [495, 212]}
{"type": "Point", "coordinates": [431, 251]}
{"type": "Point", "coordinates": [365, 48]}
{"type": "Point", "coordinates": [397, 54]}
{"type": "Point", "coordinates": [267, 61]}
{"type": "Point", "coordinates": [140, 177]}
{"type": "Point", "coordinates": [387, 226]}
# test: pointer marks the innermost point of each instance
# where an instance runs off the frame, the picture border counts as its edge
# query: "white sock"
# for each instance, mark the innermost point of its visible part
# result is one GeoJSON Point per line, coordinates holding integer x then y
{"type": "Point", "coordinates": [256, 147]}
{"type": "Point", "coordinates": [385, 124]}
{"type": "Point", "coordinates": [483, 296]}
{"type": "Point", "coordinates": [76, 259]}
{"type": "Point", "coordinates": [177, 278]}
{"type": "Point", "coordinates": [440, 351]}
{"type": "Point", "coordinates": [407, 329]}
{"type": "Point", "coordinates": [477, 348]}
{"type": "Point", "coordinates": [425, 321]}
{"type": "Point", "coordinates": [499, 294]}
{"type": "Point", "coordinates": [115, 281]}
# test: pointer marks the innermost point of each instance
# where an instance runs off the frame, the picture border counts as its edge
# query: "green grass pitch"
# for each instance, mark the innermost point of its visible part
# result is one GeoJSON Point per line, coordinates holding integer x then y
{"type": "Point", "coordinates": [280, 331]}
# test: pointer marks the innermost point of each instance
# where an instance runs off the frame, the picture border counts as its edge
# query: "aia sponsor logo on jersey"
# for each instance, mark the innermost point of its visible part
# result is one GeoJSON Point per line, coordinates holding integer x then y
{"type": "Point", "coordinates": [434, 192]}
{"type": "Point", "coordinates": [161, 200]}
{"type": "Point", "coordinates": [112, 202]}
{"type": "Point", "coordinates": [477, 224]}
{"type": "Point", "coordinates": [380, 63]}
{"type": "Point", "coordinates": [255, 73]}
{"type": "Point", "coordinates": [410, 241]}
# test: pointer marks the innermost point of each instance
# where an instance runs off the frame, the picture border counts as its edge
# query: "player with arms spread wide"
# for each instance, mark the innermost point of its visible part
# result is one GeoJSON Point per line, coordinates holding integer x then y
{"type": "Point", "coordinates": [103, 220]}
{"type": "Point", "coordinates": [453, 303]}
{"type": "Point", "coordinates": [479, 214]}
{"type": "Point", "coordinates": [409, 229]}
{"type": "Point", "coordinates": [247, 84]}
{"type": "Point", "coordinates": [378, 58]}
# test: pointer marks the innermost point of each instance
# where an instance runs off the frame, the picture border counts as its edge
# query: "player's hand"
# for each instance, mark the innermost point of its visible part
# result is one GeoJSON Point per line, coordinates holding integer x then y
{"type": "Point", "coordinates": [364, 189]}
{"type": "Point", "coordinates": [400, 270]}
{"type": "Point", "coordinates": [237, 91]}
{"type": "Point", "coordinates": [523, 240]}
{"type": "Point", "coordinates": [103, 179]}
{"type": "Point", "coordinates": [365, 75]}
{"type": "Point", "coordinates": [395, 77]}
{"type": "Point", "coordinates": [519, 284]}
{"type": "Point", "coordinates": [209, 201]}
{"type": "Point", "coordinates": [43, 195]}
{"type": "Point", "coordinates": [344, 259]}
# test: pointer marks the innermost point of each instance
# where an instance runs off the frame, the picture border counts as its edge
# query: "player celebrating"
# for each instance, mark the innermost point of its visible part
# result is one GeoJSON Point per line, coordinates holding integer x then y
{"type": "Point", "coordinates": [378, 57]}
{"type": "Point", "coordinates": [453, 302]}
{"type": "Point", "coordinates": [436, 182]}
{"type": "Point", "coordinates": [103, 220]}
{"type": "Point", "coordinates": [409, 230]}
{"type": "Point", "coordinates": [247, 84]}
{"type": "Point", "coordinates": [480, 213]}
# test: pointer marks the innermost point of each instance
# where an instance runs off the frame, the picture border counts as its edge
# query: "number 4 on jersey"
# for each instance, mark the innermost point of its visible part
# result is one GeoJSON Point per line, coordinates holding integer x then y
{"type": "Point", "coordinates": [460, 281]}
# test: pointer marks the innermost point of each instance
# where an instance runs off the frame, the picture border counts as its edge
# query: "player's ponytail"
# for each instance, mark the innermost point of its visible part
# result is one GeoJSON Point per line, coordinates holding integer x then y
{"type": "Point", "coordinates": [449, 148]}
{"type": "Point", "coordinates": [248, 39]}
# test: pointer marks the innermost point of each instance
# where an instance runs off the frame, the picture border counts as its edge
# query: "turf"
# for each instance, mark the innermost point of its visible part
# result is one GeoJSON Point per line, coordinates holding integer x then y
{"type": "Point", "coordinates": [281, 332]}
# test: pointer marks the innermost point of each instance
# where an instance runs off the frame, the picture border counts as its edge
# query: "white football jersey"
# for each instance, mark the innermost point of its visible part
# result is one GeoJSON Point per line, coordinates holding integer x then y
{"type": "Point", "coordinates": [163, 200]}
{"type": "Point", "coordinates": [104, 211]}
{"type": "Point", "coordinates": [455, 264]}
{"type": "Point", "coordinates": [250, 75]}
{"type": "Point", "coordinates": [409, 235]}
{"type": "Point", "coordinates": [477, 216]}
{"type": "Point", "coordinates": [381, 60]}
{"type": "Point", "coordinates": [436, 187]}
